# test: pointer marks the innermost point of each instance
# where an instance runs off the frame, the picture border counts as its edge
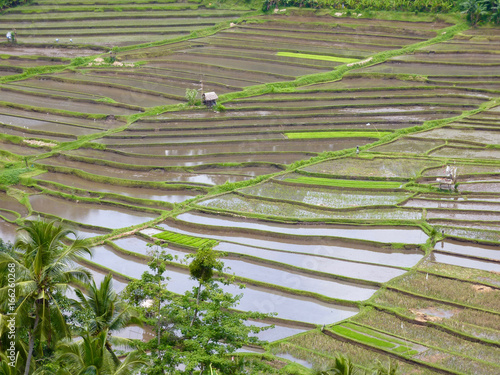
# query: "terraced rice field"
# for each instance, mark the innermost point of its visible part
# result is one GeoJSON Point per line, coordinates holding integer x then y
{"type": "Point", "coordinates": [356, 251]}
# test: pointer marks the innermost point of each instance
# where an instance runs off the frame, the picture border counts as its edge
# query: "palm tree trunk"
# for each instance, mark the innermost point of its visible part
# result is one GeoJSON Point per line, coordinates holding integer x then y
{"type": "Point", "coordinates": [31, 344]}
{"type": "Point", "coordinates": [197, 304]}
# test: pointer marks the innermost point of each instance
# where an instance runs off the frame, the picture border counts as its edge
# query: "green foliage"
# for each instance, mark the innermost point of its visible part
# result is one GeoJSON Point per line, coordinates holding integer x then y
{"type": "Point", "coordinates": [197, 329]}
{"type": "Point", "coordinates": [475, 10]}
{"type": "Point", "coordinates": [4, 4]}
{"type": "Point", "coordinates": [204, 263]}
{"type": "Point", "coordinates": [434, 6]}
{"type": "Point", "coordinates": [318, 57]}
{"type": "Point", "coordinates": [191, 97]}
{"type": "Point", "coordinates": [10, 175]}
{"type": "Point", "coordinates": [44, 266]}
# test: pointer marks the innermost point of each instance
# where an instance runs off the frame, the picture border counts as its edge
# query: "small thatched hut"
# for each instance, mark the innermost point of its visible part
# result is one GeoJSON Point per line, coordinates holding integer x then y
{"type": "Point", "coordinates": [210, 99]}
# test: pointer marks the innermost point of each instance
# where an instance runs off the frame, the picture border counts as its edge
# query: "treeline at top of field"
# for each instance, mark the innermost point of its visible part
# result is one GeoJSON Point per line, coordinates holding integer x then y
{"type": "Point", "coordinates": [4, 4]}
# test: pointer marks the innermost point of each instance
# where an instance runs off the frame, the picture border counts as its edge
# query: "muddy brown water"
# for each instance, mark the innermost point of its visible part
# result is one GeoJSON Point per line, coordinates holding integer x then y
{"type": "Point", "coordinates": [353, 82]}
{"type": "Point", "coordinates": [68, 105]}
{"type": "Point", "coordinates": [408, 145]}
{"type": "Point", "coordinates": [145, 193]}
{"type": "Point", "coordinates": [35, 125]}
{"type": "Point", "coordinates": [199, 69]}
{"type": "Point", "coordinates": [450, 58]}
{"type": "Point", "coordinates": [86, 213]}
{"type": "Point", "coordinates": [22, 149]}
{"type": "Point", "coordinates": [430, 69]}
{"type": "Point", "coordinates": [8, 231]}
{"type": "Point", "coordinates": [379, 234]}
{"type": "Point", "coordinates": [423, 93]}
{"type": "Point", "coordinates": [93, 91]}
{"type": "Point", "coordinates": [472, 135]}
{"type": "Point", "coordinates": [153, 175]}
{"type": "Point", "coordinates": [69, 120]}
{"type": "Point", "coordinates": [20, 50]}
{"type": "Point", "coordinates": [469, 248]}
{"type": "Point", "coordinates": [463, 153]}
{"type": "Point", "coordinates": [124, 95]}
{"type": "Point", "coordinates": [12, 204]}
{"type": "Point", "coordinates": [371, 102]}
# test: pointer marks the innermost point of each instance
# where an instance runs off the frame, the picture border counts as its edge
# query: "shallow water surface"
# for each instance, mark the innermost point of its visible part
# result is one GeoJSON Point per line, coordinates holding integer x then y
{"type": "Point", "coordinates": [92, 214]}
{"type": "Point", "coordinates": [468, 263]}
{"type": "Point", "coordinates": [380, 234]}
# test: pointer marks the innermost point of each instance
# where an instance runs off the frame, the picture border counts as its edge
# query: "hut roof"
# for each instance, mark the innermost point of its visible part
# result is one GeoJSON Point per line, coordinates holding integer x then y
{"type": "Point", "coordinates": [210, 96]}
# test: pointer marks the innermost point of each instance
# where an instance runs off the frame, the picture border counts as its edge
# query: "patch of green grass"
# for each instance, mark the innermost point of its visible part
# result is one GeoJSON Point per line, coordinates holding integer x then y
{"type": "Point", "coordinates": [345, 60]}
{"type": "Point", "coordinates": [362, 338]}
{"type": "Point", "coordinates": [184, 240]}
{"type": "Point", "coordinates": [337, 134]}
{"type": "Point", "coordinates": [359, 184]}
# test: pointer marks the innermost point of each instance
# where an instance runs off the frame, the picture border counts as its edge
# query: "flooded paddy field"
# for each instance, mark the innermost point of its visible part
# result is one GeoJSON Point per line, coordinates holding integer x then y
{"type": "Point", "coordinates": [245, 205]}
{"type": "Point", "coordinates": [470, 135]}
{"type": "Point", "coordinates": [377, 167]}
{"type": "Point", "coordinates": [434, 69]}
{"type": "Point", "coordinates": [338, 226]}
{"type": "Point", "coordinates": [67, 104]}
{"type": "Point", "coordinates": [469, 249]}
{"type": "Point", "coordinates": [156, 175]}
{"type": "Point", "coordinates": [304, 251]}
{"type": "Point", "coordinates": [213, 148]}
{"type": "Point", "coordinates": [171, 196]}
{"type": "Point", "coordinates": [7, 204]}
{"type": "Point", "coordinates": [8, 231]}
{"type": "Point", "coordinates": [378, 233]}
{"type": "Point", "coordinates": [196, 160]}
{"type": "Point", "coordinates": [74, 89]}
{"type": "Point", "coordinates": [409, 145]}
{"type": "Point", "coordinates": [466, 153]}
{"type": "Point", "coordinates": [254, 298]}
{"type": "Point", "coordinates": [91, 214]}
{"type": "Point", "coordinates": [335, 198]}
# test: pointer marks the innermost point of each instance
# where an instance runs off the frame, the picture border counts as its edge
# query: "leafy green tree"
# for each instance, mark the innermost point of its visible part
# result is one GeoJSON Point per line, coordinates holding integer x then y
{"type": "Point", "coordinates": [43, 267]}
{"type": "Point", "coordinates": [342, 366]}
{"type": "Point", "coordinates": [199, 328]}
{"type": "Point", "coordinates": [191, 95]}
{"type": "Point", "coordinates": [474, 10]}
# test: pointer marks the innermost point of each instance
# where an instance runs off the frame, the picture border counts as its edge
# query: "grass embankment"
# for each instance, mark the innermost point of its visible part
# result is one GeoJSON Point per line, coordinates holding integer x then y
{"type": "Point", "coordinates": [344, 60]}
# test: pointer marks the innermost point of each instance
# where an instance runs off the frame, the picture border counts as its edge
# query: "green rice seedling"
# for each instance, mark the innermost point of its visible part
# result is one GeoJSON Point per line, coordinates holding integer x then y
{"type": "Point", "coordinates": [317, 57]}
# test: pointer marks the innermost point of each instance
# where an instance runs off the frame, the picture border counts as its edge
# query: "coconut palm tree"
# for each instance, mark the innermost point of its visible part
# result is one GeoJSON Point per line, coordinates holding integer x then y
{"type": "Point", "coordinates": [90, 356]}
{"type": "Point", "coordinates": [108, 312]}
{"type": "Point", "coordinates": [342, 366]}
{"type": "Point", "coordinates": [43, 267]}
